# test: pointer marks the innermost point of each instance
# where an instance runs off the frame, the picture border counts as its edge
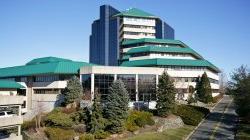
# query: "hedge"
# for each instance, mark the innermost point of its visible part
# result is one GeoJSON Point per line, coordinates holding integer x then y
{"type": "Point", "coordinates": [138, 119]}
{"type": "Point", "coordinates": [59, 134]}
{"type": "Point", "coordinates": [191, 115]}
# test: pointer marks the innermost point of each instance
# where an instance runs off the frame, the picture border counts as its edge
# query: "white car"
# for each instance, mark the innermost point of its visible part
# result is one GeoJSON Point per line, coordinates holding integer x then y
{"type": "Point", "coordinates": [4, 114]}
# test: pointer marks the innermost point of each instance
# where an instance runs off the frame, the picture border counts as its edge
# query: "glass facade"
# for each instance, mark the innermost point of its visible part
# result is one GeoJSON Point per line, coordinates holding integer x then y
{"type": "Point", "coordinates": [102, 84]}
{"type": "Point", "coordinates": [147, 87]}
{"type": "Point", "coordinates": [130, 83]}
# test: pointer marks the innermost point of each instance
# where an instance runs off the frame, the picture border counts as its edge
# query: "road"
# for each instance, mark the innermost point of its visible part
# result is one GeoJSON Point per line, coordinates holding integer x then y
{"type": "Point", "coordinates": [220, 124]}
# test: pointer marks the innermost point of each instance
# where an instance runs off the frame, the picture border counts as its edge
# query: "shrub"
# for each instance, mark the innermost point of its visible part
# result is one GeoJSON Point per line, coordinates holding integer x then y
{"type": "Point", "coordinates": [138, 119]}
{"type": "Point", "coordinates": [29, 125]}
{"type": "Point", "coordinates": [191, 115]}
{"type": "Point", "coordinates": [59, 134]}
{"type": "Point", "coordinates": [58, 118]}
{"type": "Point", "coordinates": [86, 137]}
{"type": "Point", "coordinates": [101, 134]}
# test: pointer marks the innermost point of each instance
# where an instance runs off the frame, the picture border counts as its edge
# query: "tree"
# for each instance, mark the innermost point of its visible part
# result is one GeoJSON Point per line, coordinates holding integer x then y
{"type": "Point", "coordinates": [73, 91]}
{"type": "Point", "coordinates": [116, 108]}
{"type": "Point", "coordinates": [191, 98]}
{"type": "Point", "coordinates": [239, 87]}
{"type": "Point", "coordinates": [204, 91]}
{"type": "Point", "coordinates": [165, 103]}
{"type": "Point", "coordinates": [222, 82]}
{"type": "Point", "coordinates": [97, 122]}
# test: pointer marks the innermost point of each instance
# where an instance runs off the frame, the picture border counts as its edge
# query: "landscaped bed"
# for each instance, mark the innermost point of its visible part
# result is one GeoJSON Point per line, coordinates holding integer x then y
{"type": "Point", "coordinates": [169, 134]}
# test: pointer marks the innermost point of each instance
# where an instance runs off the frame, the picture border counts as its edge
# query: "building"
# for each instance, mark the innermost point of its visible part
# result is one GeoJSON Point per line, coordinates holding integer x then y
{"type": "Point", "coordinates": [114, 26]}
{"type": "Point", "coordinates": [43, 80]}
{"type": "Point", "coordinates": [10, 110]}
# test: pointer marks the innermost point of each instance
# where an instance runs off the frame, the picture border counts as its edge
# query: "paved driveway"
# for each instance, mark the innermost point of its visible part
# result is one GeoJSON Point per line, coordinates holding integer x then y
{"type": "Point", "coordinates": [220, 124]}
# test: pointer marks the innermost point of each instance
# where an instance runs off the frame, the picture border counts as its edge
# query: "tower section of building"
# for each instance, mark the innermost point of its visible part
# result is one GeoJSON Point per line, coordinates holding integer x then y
{"type": "Point", "coordinates": [114, 26]}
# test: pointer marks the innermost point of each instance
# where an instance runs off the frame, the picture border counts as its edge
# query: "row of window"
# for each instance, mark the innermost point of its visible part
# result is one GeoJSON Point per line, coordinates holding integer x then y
{"type": "Point", "coordinates": [139, 26]}
{"type": "Point", "coordinates": [46, 91]}
{"type": "Point", "coordinates": [138, 19]}
{"type": "Point", "coordinates": [161, 54]}
{"type": "Point", "coordinates": [138, 33]}
{"type": "Point", "coordinates": [42, 78]}
{"type": "Point", "coordinates": [193, 79]}
{"type": "Point", "coordinates": [151, 44]}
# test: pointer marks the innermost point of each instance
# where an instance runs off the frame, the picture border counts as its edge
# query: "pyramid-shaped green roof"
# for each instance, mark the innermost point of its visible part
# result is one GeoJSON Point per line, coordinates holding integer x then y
{"type": "Point", "coordinates": [45, 65]}
{"type": "Point", "coordinates": [134, 12]}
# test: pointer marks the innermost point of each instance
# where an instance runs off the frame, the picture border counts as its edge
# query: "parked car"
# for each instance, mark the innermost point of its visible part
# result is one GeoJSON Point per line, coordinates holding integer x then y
{"type": "Point", "coordinates": [4, 114]}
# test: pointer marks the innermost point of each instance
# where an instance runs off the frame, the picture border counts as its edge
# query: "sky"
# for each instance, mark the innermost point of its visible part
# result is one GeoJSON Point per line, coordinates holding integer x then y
{"type": "Point", "coordinates": [217, 29]}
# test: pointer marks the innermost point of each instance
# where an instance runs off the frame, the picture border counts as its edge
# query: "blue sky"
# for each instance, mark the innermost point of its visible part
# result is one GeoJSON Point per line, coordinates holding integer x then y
{"type": "Point", "coordinates": [218, 29]}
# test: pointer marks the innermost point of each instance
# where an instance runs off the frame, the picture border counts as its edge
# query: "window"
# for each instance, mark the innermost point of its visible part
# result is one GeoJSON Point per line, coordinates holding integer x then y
{"type": "Point", "coordinates": [147, 87]}
{"type": "Point", "coordinates": [46, 78]}
{"type": "Point", "coordinates": [46, 91]}
{"type": "Point", "coordinates": [102, 84]}
{"type": "Point", "coordinates": [129, 81]}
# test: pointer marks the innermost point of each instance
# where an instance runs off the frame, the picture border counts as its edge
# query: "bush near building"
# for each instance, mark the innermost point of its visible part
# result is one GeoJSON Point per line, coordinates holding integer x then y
{"type": "Point", "coordinates": [73, 91]}
{"type": "Point", "coordinates": [203, 89]}
{"type": "Point", "coordinates": [165, 103]}
{"type": "Point", "coordinates": [191, 115]}
{"type": "Point", "coordinates": [58, 118]}
{"type": "Point", "coordinates": [59, 133]}
{"type": "Point", "coordinates": [137, 119]}
{"type": "Point", "coordinates": [116, 107]}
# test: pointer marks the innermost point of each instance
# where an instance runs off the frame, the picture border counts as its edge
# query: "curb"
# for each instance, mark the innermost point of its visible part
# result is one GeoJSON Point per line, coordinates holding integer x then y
{"type": "Point", "coordinates": [190, 134]}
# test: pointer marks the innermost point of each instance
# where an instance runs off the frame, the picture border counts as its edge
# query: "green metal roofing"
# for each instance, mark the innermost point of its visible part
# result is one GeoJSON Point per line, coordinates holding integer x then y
{"type": "Point", "coordinates": [134, 12]}
{"type": "Point", "coordinates": [125, 57]}
{"type": "Point", "coordinates": [169, 62]}
{"type": "Point", "coordinates": [163, 49]}
{"type": "Point", "coordinates": [47, 60]}
{"type": "Point", "coordinates": [10, 84]}
{"type": "Point", "coordinates": [153, 40]}
{"type": "Point", "coordinates": [47, 65]}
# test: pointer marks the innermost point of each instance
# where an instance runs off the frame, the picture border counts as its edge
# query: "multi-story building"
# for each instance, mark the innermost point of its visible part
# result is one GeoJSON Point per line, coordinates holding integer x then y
{"type": "Point", "coordinates": [140, 40]}
{"type": "Point", "coordinates": [10, 110]}
{"type": "Point", "coordinates": [114, 26]}
{"type": "Point", "coordinates": [43, 80]}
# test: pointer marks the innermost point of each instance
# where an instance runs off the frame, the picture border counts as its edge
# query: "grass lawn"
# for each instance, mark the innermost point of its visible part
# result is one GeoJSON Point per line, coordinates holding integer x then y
{"type": "Point", "coordinates": [169, 134]}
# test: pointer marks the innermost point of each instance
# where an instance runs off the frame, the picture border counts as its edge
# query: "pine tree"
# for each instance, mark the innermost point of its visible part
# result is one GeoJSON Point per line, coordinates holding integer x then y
{"type": "Point", "coordinates": [116, 111]}
{"type": "Point", "coordinates": [204, 91]}
{"type": "Point", "coordinates": [166, 92]}
{"type": "Point", "coordinates": [97, 122]}
{"type": "Point", "coordinates": [73, 91]}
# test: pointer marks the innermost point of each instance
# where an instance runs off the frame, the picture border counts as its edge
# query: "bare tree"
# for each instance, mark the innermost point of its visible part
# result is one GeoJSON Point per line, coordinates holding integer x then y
{"type": "Point", "coordinates": [222, 82]}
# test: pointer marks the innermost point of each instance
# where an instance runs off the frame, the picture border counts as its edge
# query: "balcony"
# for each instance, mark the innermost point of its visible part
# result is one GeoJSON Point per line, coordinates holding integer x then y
{"type": "Point", "coordinates": [10, 121]}
{"type": "Point", "coordinates": [11, 100]}
{"type": "Point", "coordinates": [55, 84]}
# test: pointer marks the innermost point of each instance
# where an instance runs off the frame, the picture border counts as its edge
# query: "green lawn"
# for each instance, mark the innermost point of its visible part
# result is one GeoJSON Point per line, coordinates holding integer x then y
{"type": "Point", "coordinates": [169, 134]}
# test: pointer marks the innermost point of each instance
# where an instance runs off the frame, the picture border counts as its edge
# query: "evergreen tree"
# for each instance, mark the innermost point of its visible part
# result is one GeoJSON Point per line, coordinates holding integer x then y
{"type": "Point", "coordinates": [97, 122]}
{"type": "Point", "coordinates": [73, 91]}
{"type": "Point", "coordinates": [204, 91]}
{"type": "Point", "coordinates": [116, 110]}
{"type": "Point", "coordinates": [165, 95]}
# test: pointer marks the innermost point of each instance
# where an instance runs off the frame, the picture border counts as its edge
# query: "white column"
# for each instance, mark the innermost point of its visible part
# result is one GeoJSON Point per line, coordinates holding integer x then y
{"type": "Point", "coordinates": [19, 110]}
{"type": "Point", "coordinates": [136, 88]}
{"type": "Point", "coordinates": [115, 77]}
{"type": "Point", "coordinates": [92, 86]}
{"type": "Point", "coordinates": [19, 130]}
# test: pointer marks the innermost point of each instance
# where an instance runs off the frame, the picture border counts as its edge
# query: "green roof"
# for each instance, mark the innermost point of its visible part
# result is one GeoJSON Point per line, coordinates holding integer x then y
{"type": "Point", "coordinates": [153, 40]}
{"type": "Point", "coordinates": [10, 84]}
{"type": "Point", "coordinates": [169, 62]}
{"type": "Point", "coordinates": [134, 12]}
{"type": "Point", "coordinates": [46, 65]}
{"type": "Point", "coordinates": [163, 49]}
